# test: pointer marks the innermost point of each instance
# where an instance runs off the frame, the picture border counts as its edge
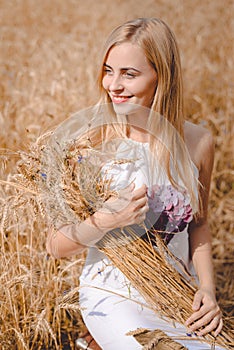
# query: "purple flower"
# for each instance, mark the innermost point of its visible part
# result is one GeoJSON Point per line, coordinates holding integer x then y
{"type": "Point", "coordinates": [44, 176]}
{"type": "Point", "coordinates": [174, 208]}
{"type": "Point", "coordinates": [79, 160]}
{"type": "Point", "coordinates": [155, 201]}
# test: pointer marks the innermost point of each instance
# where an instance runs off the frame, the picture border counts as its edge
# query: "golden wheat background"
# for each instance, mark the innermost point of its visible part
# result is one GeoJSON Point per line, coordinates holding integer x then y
{"type": "Point", "coordinates": [49, 54]}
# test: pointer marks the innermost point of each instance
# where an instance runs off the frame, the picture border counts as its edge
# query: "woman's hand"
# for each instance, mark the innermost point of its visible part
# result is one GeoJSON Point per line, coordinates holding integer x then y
{"type": "Point", "coordinates": [130, 207]}
{"type": "Point", "coordinates": [207, 315]}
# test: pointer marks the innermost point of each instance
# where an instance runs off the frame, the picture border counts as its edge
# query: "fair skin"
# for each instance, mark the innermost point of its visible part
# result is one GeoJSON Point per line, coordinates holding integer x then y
{"type": "Point", "coordinates": [130, 81]}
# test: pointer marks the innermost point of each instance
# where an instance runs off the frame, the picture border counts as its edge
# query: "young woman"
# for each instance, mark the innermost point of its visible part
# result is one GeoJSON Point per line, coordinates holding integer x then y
{"type": "Point", "coordinates": [140, 78]}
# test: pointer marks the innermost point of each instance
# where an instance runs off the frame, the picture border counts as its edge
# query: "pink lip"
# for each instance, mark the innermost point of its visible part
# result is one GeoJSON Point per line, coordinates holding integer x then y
{"type": "Point", "coordinates": [119, 99]}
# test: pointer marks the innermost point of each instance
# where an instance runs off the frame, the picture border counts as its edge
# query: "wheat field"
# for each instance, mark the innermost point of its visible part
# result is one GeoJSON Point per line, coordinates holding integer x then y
{"type": "Point", "coordinates": [48, 65]}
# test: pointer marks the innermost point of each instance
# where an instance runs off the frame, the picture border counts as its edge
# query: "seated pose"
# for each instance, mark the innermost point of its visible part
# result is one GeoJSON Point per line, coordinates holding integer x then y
{"type": "Point", "coordinates": [140, 80]}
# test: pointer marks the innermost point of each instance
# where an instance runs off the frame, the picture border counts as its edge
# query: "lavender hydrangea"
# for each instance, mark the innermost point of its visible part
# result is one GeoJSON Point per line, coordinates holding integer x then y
{"type": "Point", "coordinates": [171, 208]}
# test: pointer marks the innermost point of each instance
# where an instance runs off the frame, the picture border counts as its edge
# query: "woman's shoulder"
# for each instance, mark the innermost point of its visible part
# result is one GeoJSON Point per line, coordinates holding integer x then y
{"type": "Point", "coordinates": [197, 132]}
{"type": "Point", "coordinates": [199, 141]}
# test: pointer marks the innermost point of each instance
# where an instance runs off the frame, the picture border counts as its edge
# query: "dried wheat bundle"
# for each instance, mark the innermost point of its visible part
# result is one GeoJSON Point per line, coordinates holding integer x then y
{"type": "Point", "coordinates": [156, 339]}
{"type": "Point", "coordinates": [68, 184]}
{"type": "Point", "coordinates": [64, 182]}
{"type": "Point", "coordinates": [151, 270]}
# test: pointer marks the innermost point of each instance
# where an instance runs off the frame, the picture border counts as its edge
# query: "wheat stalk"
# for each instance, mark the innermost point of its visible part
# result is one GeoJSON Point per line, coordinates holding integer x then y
{"type": "Point", "coordinates": [68, 189]}
{"type": "Point", "coordinates": [166, 291]}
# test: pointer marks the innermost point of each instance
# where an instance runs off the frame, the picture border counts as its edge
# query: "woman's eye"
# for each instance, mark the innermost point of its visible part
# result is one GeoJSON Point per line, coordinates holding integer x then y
{"type": "Point", "coordinates": [107, 71]}
{"type": "Point", "coordinates": [129, 75]}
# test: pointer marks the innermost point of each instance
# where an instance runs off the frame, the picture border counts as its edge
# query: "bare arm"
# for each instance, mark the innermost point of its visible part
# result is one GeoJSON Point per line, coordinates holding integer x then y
{"type": "Point", "coordinates": [128, 209]}
{"type": "Point", "coordinates": [206, 313]}
{"type": "Point", "coordinates": [59, 246]}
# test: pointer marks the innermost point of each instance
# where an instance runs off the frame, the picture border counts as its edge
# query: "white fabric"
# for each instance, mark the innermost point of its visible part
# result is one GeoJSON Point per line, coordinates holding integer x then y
{"type": "Point", "coordinates": [111, 307]}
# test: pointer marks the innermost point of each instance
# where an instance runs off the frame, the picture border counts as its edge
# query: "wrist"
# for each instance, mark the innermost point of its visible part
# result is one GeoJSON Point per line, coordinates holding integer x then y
{"type": "Point", "coordinates": [209, 287]}
{"type": "Point", "coordinates": [102, 221]}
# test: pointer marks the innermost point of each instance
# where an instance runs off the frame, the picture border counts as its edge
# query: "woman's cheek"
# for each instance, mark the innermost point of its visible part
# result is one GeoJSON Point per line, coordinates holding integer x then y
{"type": "Point", "coordinates": [105, 82]}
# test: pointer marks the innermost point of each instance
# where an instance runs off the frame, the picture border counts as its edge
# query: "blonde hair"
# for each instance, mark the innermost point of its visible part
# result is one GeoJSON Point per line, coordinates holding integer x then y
{"type": "Point", "coordinates": [158, 42]}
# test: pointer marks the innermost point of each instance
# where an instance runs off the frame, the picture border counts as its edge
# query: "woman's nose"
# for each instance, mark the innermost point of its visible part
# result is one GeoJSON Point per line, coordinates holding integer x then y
{"type": "Point", "coordinates": [115, 83]}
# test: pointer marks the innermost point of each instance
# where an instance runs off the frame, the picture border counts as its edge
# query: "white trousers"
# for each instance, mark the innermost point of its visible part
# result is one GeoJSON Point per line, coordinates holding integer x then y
{"type": "Point", "coordinates": [111, 307]}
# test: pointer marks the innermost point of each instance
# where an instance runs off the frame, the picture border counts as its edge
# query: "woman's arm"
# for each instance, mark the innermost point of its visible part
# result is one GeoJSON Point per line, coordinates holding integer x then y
{"type": "Point", "coordinates": [59, 246]}
{"type": "Point", "coordinates": [206, 313]}
{"type": "Point", "coordinates": [129, 208]}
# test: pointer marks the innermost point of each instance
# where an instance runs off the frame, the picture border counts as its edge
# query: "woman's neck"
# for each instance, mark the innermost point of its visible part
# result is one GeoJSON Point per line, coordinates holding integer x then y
{"type": "Point", "coordinates": [138, 126]}
{"type": "Point", "coordinates": [138, 134]}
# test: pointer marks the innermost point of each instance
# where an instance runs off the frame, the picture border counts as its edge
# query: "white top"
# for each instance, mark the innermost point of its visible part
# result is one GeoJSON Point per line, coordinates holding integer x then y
{"type": "Point", "coordinates": [110, 305]}
{"type": "Point", "coordinates": [161, 194]}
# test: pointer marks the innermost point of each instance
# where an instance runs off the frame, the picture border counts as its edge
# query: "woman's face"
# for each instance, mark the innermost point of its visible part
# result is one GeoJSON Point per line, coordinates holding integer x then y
{"type": "Point", "coordinates": [129, 79]}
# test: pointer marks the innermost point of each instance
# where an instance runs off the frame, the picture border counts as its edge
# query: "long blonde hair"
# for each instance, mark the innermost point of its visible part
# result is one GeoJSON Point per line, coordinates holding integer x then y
{"type": "Point", "coordinates": [166, 118]}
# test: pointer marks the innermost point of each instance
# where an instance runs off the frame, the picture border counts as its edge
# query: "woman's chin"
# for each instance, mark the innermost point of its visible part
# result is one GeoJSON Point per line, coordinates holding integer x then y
{"type": "Point", "coordinates": [126, 108]}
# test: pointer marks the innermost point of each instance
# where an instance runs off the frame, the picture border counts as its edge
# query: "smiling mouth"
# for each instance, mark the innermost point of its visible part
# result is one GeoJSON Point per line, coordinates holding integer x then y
{"type": "Point", "coordinates": [120, 99]}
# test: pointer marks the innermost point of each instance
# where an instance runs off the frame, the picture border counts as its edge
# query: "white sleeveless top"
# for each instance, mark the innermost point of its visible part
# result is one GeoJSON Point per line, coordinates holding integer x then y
{"type": "Point", "coordinates": [169, 209]}
{"type": "Point", "coordinates": [110, 305]}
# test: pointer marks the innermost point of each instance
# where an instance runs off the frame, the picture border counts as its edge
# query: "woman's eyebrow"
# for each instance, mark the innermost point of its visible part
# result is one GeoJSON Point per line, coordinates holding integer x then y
{"type": "Point", "coordinates": [106, 65]}
{"type": "Point", "coordinates": [122, 69]}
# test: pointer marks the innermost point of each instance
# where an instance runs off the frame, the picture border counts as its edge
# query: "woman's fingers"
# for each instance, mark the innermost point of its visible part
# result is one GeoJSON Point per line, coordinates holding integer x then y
{"type": "Point", "coordinates": [219, 328]}
{"type": "Point", "coordinates": [141, 203]}
{"type": "Point", "coordinates": [128, 208]}
{"type": "Point", "coordinates": [215, 324]}
{"type": "Point", "coordinates": [139, 193]}
{"type": "Point", "coordinates": [129, 196]}
{"type": "Point", "coordinates": [205, 320]}
{"type": "Point", "coordinates": [197, 301]}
